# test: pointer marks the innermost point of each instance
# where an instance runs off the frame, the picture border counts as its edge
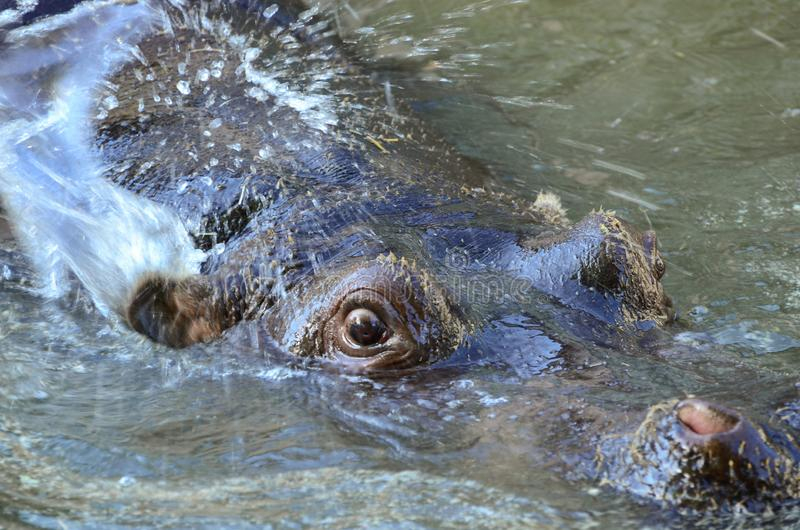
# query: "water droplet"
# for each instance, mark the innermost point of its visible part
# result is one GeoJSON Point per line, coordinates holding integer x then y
{"type": "Point", "coordinates": [257, 93]}
{"type": "Point", "coordinates": [236, 147]}
{"type": "Point", "coordinates": [182, 68]}
{"type": "Point", "coordinates": [80, 369]}
{"type": "Point", "coordinates": [141, 104]}
{"type": "Point", "coordinates": [251, 54]}
{"type": "Point", "coordinates": [111, 102]}
{"type": "Point", "coordinates": [202, 75]}
{"type": "Point", "coordinates": [215, 123]}
{"type": "Point", "coordinates": [28, 481]}
{"type": "Point", "coordinates": [183, 87]}
{"type": "Point", "coordinates": [213, 162]}
{"type": "Point", "coordinates": [270, 11]}
{"type": "Point", "coordinates": [127, 481]}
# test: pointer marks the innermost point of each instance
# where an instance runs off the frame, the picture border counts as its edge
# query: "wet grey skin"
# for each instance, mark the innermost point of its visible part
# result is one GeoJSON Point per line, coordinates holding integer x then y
{"type": "Point", "coordinates": [310, 221]}
{"type": "Point", "coordinates": [361, 240]}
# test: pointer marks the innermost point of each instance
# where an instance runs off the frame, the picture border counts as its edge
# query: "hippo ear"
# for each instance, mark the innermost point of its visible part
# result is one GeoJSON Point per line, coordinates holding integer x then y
{"type": "Point", "coordinates": [177, 312]}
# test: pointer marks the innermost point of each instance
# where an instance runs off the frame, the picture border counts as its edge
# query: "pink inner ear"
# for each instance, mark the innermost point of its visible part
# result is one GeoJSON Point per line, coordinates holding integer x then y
{"type": "Point", "coordinates": [705, 421]}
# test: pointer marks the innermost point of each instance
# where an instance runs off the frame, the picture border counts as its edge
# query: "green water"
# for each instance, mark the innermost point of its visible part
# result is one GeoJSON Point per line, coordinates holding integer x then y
{"type": "Point", "coordinates": [679, 115]}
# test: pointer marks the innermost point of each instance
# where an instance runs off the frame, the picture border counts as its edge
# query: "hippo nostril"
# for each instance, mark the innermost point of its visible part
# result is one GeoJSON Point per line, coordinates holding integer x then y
{"type": "Point", "coordinates": [705, 419]}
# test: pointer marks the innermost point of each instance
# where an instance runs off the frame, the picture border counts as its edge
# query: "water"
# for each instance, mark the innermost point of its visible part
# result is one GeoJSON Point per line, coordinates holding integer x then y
{"type": "Point", "coordinates": [677, 115]}
{"type": "Point", "coordinates": [51, 178]}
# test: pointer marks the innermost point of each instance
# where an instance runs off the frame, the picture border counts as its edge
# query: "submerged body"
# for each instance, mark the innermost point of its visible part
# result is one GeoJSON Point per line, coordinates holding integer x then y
{"type": "Point", "coordinates": [332, 217]}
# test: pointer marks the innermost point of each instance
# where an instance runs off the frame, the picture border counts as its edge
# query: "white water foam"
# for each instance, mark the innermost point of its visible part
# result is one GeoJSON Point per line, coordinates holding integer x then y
{"type": "Point", "coordinates": [12, 15]}
{"type": "Point", "coordinates": [65, 214]}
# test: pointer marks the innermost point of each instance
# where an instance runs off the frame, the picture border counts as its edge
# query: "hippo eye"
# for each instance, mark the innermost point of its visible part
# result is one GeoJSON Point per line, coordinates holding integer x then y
{"type": "Point", "coordinates": [364, 327]}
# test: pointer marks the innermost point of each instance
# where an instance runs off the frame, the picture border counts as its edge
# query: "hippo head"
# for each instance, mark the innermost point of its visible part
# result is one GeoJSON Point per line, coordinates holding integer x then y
{"type": "Point", "coordinates": [364, 307]}
{"type": "Point", "coordinates": [698, 455]}
{"type": "Point", "coordinates": [305, 210]}
{"type": "Point", "coordinates": [359, 304]}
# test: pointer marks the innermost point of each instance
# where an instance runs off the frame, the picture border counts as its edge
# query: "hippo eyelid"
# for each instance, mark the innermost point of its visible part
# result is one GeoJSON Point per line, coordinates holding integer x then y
{"type": "Point", "coordinates": [376, 302]}
{"type": "Point", "coordinates": [383, 308]}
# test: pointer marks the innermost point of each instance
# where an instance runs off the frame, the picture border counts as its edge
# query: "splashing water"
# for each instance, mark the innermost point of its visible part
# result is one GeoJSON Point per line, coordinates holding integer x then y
{"type": "Point", "coordinates": [64, 213]}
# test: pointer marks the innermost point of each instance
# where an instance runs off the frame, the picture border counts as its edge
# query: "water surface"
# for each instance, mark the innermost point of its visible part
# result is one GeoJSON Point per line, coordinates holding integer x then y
{"type": "Point", "coordinates": [682, 116]}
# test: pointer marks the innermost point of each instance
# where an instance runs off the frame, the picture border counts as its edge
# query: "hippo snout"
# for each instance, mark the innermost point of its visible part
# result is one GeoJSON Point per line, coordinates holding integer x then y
{"type": "Point", "coordinates": [698, 455]}
{"type": "Point", "coordinates": [726, 457]}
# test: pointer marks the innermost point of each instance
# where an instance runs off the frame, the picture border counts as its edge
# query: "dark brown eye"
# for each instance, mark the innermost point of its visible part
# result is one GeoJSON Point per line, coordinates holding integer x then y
{"type": "Point", "coordinates": [365, 328]}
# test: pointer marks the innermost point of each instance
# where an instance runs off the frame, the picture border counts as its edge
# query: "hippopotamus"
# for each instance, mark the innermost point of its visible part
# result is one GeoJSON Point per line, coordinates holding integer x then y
{"type": "Point", "coordinates": [353, 235]}
{"type": "Point", "coordinates": [335, 221]}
